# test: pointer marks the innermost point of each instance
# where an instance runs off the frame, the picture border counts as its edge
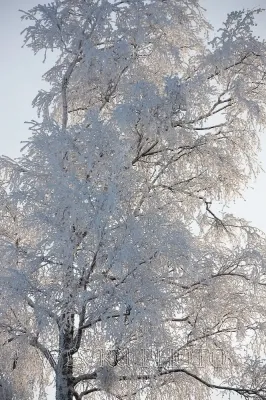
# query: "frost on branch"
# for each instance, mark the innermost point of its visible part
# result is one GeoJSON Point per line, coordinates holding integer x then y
{"type": "Point", "coordinates": [145, 127]}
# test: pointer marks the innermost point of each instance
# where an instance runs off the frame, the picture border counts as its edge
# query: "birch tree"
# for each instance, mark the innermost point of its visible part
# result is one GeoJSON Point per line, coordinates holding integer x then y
{"type": "Point", "coordinates": [109, 239]}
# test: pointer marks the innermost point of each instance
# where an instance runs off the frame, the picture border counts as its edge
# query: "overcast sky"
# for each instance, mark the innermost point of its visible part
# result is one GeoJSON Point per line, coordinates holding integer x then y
{"type": "Point", "coordinates": [20, 79]}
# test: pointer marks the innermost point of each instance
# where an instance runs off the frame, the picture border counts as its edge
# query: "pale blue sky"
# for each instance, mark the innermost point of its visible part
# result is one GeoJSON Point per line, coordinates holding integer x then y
{"type": "Point", "coordinates": [20, 79]}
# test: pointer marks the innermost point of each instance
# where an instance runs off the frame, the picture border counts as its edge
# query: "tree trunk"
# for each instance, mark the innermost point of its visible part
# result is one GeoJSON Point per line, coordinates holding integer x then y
{"type": "Point", "coordinates": [64, 380]}
{"type": "Point", "coordinates": [64, 371]}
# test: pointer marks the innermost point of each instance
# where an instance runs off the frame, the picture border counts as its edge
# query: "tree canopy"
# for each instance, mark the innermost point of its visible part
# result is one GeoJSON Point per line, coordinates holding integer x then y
{"type": "Point", "coordinates": [111, 235]}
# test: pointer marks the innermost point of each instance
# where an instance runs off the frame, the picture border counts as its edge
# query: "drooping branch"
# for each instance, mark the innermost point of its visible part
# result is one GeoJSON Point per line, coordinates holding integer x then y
{"type": "Point", "coordinates": [46, 353]}
{"type": "Point", "coordinates": [242, 391]}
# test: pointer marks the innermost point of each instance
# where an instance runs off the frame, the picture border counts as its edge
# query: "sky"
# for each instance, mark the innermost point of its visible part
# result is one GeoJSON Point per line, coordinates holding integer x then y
{"type": "Point", "coordinates": [20, 79]}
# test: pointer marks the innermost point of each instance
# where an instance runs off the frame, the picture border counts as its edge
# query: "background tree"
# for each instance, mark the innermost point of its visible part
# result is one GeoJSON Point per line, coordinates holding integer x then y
{"type": "Point", "coordinates": [109, 239]}
{"type": "Point", "coordinates": [22, 374]}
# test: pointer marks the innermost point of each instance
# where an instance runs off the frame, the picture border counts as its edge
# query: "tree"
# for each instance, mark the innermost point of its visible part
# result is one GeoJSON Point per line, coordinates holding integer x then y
{"type": "Point", "coordinates": [21, 371]}
{"type": "Point", "coordinates": [109, 240]}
